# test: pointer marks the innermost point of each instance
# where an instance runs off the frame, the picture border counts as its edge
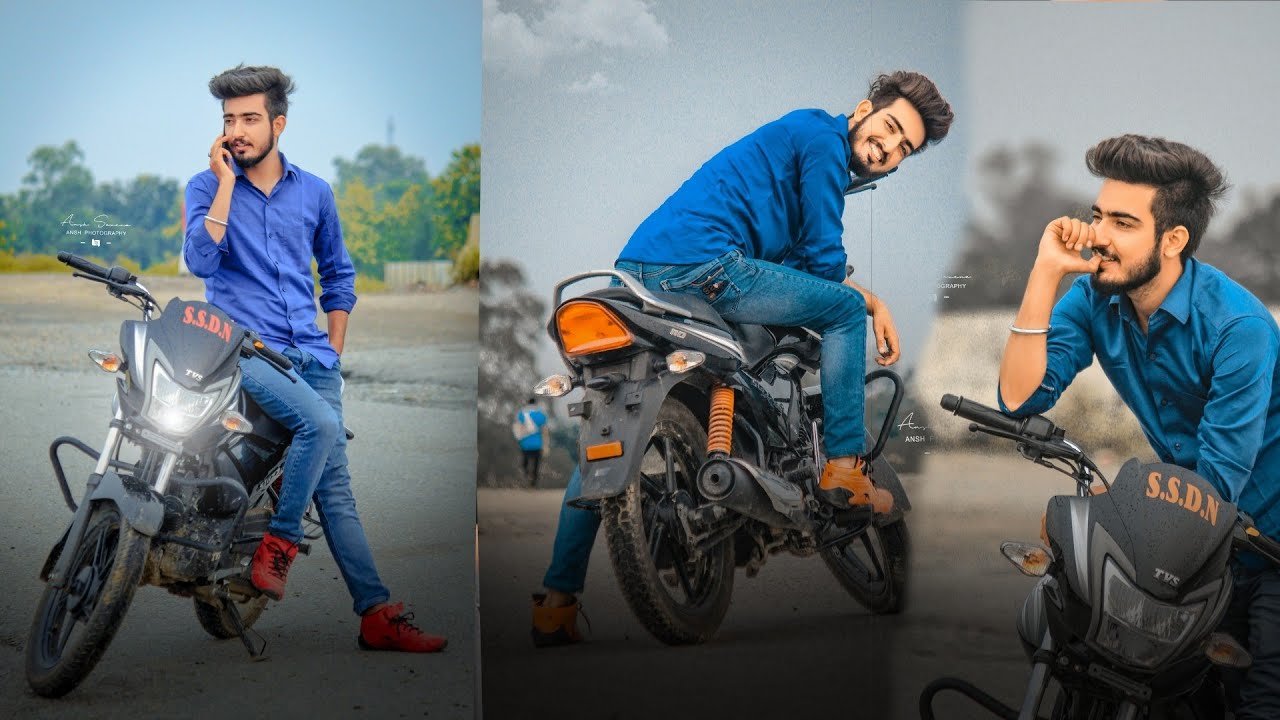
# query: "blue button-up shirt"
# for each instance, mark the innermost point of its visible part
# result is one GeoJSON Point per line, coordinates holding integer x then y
{"type": "Point", "coordinates": [776, 195]}
{"type": "Point", "coordinates": [1202, 380]}
{"type": "Point", "coordinates": [260, 274]}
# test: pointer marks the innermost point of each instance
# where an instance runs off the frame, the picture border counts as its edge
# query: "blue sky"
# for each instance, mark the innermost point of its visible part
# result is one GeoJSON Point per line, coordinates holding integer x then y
{"type": "Point", "coordinates": [129, 81]}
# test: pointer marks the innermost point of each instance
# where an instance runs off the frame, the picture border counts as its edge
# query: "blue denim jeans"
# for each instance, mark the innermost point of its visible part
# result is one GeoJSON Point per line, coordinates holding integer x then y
{"type": "Point", "coordinates": [743, 290]}
{"type": "Point", "coordinates": [1253, 618]}
{"type": "Point", "coordinates": [750, 291]}
{"type": "Point", "coordinates": [575, 534]}
{"type": "Point", "coordinates": [316, 467]}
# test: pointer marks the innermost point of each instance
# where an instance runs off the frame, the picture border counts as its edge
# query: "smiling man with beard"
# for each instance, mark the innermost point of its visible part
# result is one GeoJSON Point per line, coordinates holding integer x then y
{"type": "Point", "coordinates": [757, 232]}
{"type": "Point", "coordinates": [1190, 351]}
{"type": "Point", "coordinates": [253, 229]}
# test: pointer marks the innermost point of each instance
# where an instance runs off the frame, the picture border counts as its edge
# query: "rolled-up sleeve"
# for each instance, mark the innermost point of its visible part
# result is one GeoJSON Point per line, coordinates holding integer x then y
{"type": "Point", "coordinates": [202, 254]}
{"type": "Point", "coordinates": [822, 183]}
{"type": "Point", "coordinates": [1231, 430]}
{"type": "Point", "coordinates": [337, 273]}
{"type": "Point", "coordinates": [1070, 350]}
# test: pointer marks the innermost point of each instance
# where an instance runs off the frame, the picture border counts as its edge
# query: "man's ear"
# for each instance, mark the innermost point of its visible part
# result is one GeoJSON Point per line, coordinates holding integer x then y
{"type": "Point", "coordinates": [278, 124]}
{"type": "Point", "coordinates": [1174, 241]}
{"type": "Point", "coordinates": [860, 112]}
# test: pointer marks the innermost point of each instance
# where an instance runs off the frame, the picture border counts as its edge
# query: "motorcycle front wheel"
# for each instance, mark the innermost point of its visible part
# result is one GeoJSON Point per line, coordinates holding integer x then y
{"type": "Point", "coordinates": [872, 567]}
{"type": "Point", "coordinates": [73, 625]}
{"type": "Point", "coordinates": [679, 597]}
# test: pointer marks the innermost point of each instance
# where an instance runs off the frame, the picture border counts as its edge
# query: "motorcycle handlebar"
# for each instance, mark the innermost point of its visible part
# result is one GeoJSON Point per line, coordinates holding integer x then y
{"type": "Point", "coordinates": [1036, 427]}
{"type": "Point", "coordinates": [78, 263]}
{"type": "Point", "coordinates": [271, 356]}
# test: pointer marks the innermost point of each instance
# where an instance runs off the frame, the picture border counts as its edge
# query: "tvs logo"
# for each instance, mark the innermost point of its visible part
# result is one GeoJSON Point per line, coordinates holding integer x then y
{"type": "Point", "coordinates": [1168, 578]}
{"type": "Point", "coordinates": [1188, 496]}
{"type": "Point", "coordinates": [207, 321]}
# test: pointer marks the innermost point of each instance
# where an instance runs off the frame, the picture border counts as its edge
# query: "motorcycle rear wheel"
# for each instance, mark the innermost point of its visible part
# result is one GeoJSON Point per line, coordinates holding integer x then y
{"type": "Point", "coordinates": [680, 601]}
{"type": "Point", "coordinates": [873, 567]}
{"type": "Point", "coordinates": [104, 575]}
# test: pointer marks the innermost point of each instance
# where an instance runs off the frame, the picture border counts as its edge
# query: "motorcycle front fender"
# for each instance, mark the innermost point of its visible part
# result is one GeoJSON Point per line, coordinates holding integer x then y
{"type": "Point", "coordinates": [624, 414]}
{"type": "Point", "coordinates": [138, 504]}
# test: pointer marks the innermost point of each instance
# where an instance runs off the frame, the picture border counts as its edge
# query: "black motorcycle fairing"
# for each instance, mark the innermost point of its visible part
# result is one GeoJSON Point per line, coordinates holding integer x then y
{"type": "Point", "coordinates": [1150, 503]}
{"type": "Point", "coordinates": [201, 342]}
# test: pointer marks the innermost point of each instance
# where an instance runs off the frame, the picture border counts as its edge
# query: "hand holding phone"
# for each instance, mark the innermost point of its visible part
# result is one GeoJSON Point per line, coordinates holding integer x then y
{"type": "Point", "coordinates": [220, 159]}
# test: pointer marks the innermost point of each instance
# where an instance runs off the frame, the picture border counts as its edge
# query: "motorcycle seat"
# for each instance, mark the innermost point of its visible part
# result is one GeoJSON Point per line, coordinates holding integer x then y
{"type": "Point", "coordinates": [757, 340]}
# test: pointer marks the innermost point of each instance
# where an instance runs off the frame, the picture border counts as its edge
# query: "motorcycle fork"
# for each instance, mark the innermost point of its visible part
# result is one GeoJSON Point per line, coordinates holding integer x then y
{"type": "Point", "coordinates": [1039, 680]}
{"type": "Point", "coordinates": [58, 576]}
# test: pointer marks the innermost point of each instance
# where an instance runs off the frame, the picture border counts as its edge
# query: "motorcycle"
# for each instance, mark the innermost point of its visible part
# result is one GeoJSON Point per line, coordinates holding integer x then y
{"type": "Point", "coordinates": [181, 492]}
{"type": "Point", "coordinates": [701, 449]}
{"type": "Point", "coordinates": [1133, 585]}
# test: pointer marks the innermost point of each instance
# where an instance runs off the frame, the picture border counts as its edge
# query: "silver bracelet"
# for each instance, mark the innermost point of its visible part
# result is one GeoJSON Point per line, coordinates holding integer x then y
{"type": "Point", "coordinates": [1029, 331]}
{"type": "Point", "coordinates": [213, 219]}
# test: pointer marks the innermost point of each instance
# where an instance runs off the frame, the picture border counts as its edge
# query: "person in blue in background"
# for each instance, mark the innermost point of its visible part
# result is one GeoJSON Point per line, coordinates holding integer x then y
{"type": "Point", "coordinates": [757, 233]}
{"type": "Point", "coordinates": [530, 429]}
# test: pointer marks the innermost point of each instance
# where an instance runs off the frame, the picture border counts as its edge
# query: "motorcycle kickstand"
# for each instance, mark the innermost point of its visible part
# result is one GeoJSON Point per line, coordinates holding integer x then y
{"type": "Point", "coordinates": [234, 614]}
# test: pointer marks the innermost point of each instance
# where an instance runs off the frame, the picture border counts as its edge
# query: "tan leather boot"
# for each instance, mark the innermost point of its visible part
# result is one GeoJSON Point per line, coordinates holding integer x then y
{"type": "Point", "coordinates": [554, 626]}
{"type": "Point", "coordinates": [850, 486]}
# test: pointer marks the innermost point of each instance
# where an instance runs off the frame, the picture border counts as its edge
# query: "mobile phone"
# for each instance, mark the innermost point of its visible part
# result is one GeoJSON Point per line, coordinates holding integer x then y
{"type": "Point", "coordinates": [227, 146]}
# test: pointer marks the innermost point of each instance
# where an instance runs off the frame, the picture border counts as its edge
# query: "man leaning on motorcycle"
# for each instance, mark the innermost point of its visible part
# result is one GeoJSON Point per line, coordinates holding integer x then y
{"type": "Point", "coordinates": [254, 223]}
{"type": "Point", "coordinates": [1190, 351]}
{"type": "Point", "coordinates": [757, 233]}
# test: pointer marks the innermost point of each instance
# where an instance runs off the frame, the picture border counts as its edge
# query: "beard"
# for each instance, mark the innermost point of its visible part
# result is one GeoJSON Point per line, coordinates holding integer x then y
{"type": "Point", "coordinates": [1144, 273]}
{"type": "Point", "coordinates": [247, 162]}
{"type": "Point", "coordinates": [856, 164]}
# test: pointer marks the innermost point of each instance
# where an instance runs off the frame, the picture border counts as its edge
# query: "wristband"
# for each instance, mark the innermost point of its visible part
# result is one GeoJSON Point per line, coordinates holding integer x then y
{"type": "Point", "coordinates": [213, 219]}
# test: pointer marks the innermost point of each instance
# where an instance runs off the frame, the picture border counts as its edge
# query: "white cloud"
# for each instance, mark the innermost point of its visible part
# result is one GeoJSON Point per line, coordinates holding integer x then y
{"type": "Point", "coordinates": [568, 27]}
{"type": "Point", "coordinates": [594, 84]}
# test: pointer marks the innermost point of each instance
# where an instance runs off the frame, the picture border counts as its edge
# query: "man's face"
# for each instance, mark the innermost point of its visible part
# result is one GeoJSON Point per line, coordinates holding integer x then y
{"type": "Point", "coordinates": [1126, 232]}
{"type": "Point", "coordinates": [249, 133]}
{"type": "Point", "coordinates": [884, 138]}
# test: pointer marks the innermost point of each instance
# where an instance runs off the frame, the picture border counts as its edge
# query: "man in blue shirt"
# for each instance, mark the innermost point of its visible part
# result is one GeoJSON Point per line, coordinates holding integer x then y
{"type": "Point", "coordinates": [1189, 350]}
{"type": "Point", "coordinates": [253, 228]}
{"type": "Point", "coordinates": [757, 233]}
{"type": "Point", "coordinates": [532, 426]}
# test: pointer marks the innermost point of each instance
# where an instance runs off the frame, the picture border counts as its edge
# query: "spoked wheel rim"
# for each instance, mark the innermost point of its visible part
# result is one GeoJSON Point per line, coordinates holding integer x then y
{"type": "Point", "coordinates": [71, 607]}
{"type": "Point", "coordinates": [667, 473]}
{"type": "Point", "coordinates": [863, 560]}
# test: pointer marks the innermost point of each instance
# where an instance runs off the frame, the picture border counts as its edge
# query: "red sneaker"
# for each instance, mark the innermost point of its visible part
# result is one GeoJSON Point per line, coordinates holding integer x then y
{"type": "Point", "coordinates": [271, 563]}
{"type": "Point", "coordinates": [390, 629]}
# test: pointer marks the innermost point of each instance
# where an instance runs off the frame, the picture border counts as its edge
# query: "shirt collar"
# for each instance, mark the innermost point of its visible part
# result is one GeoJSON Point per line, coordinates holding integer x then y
{"type": "Point", "coordinates": [1177, 303]}
{"type": "Point", "coordinates": [842, 122]}
{"type": "Point", "coordinates": [284, 163]}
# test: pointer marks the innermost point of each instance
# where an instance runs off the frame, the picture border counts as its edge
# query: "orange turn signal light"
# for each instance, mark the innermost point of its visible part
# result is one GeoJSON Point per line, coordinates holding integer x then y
{"type": "Point", "coordinates": [588, 327]}
{"type": "Point", "coordinates": [1030, 559]}
{"type": "Point", "coordinates": [604, 451]}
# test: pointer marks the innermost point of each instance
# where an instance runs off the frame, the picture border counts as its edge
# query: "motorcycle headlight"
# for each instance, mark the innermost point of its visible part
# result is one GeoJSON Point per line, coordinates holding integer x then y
{"type": "Point", "coordinates": [1137, 627]}
{"type": "Point", "coordinates": [174, 407]}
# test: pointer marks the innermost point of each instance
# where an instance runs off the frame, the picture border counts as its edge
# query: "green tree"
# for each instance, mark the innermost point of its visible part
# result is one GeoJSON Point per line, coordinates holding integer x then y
{"type": "Point", "coordinates": [511, 320]}
{"type": "Point", "coordinates": [57, 187]}
{"type": "Point", "coordinates": [383, 168]}
{"type": "Point", "coordinates": [457, 198]}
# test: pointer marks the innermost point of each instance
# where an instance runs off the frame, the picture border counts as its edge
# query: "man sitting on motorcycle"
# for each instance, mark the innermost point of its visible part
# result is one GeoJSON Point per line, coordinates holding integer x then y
{"type": "Point", "coordinates": [757, 233]}
{"type": "Point", "coordinates": [252, 231]}
{"type": "Point", "coordinates": [1188, 349]}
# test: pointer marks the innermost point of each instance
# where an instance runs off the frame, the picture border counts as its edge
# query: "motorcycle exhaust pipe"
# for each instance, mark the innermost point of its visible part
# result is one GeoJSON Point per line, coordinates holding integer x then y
{"type": "Point", "coordinates": [750, 491]}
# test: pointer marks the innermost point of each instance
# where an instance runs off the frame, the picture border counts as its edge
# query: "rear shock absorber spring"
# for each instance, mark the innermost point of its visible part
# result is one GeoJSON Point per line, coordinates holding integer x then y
{"type": "Point", "coordinates": [720, 425]}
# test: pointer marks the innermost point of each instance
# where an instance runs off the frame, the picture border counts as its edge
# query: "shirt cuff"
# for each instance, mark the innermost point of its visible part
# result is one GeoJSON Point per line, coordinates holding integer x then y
{"type": "Point", "coordinates": [202, 242]}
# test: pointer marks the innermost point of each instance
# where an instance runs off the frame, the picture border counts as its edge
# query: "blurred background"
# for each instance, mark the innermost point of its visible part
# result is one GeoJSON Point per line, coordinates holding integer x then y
{"type": "Point", "coordinates": [108, 114]}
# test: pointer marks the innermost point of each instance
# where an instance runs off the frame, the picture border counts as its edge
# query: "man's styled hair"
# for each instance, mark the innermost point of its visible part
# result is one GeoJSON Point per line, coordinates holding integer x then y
{"type": "Point", "coordinates": [1187, 182]}
{"type": "Point", "coordinates": [923, 96]}
{"type": "Point", "coordinates": [240, 81]}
